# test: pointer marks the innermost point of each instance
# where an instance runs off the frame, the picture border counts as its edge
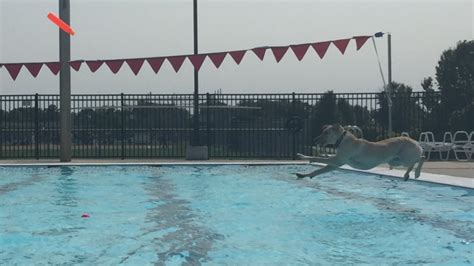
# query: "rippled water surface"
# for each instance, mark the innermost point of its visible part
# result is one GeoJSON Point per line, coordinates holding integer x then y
{"type": "Point", "coordinates": [229, 215]}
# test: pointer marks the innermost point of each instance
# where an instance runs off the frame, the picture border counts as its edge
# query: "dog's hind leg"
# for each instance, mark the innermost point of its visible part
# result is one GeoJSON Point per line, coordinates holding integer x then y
{"type": "Point", "coordinates": [418, 167]}
{"type": "Point", "coordinates": [407, 174]}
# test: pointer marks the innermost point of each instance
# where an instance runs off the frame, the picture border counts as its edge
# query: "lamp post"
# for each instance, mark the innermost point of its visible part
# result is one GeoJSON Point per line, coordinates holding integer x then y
{"type": "Point", "coordinates": [388, 87]}
{"type": "Point", "coordinates": [195, 151]}
{"type": "Point", "coordinates": [195, 136]}
{"type": "Point", "coordinates": [65, 85]}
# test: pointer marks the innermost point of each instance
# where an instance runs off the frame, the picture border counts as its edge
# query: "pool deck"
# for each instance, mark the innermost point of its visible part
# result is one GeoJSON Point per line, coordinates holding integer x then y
{"type": "Point", "coordinates": [449, 173]}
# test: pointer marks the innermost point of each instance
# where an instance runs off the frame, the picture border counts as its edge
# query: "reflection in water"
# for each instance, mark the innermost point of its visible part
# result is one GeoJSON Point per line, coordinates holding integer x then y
{"type": "Point", "coordinates": [66, 186]}
{"type": "Point", "coordinates": [183, 237]}
{"type": "Point", "coordinates": [35, 177]}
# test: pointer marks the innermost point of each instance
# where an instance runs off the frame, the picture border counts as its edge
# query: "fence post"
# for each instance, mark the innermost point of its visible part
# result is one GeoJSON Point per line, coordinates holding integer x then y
{"type": "Point", "coordinates": [1, 126]}
{"type": "Point", "coordinates": [36, 126]}
{"type": "Point", "coordinates": [122, 125]}
{"type": "Point", "coordinates": [293, 133]}
{"type": "Point", "coordinates": [208, 125]}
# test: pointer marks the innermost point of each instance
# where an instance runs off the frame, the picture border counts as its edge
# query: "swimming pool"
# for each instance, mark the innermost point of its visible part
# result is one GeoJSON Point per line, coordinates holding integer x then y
{"type": "Point", "coordinates": [228, 215]}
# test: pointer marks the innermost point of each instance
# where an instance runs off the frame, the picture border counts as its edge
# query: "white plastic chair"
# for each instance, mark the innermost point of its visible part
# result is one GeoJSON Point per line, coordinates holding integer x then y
{"type": "Point", "coordinates": [429, 145]}
{"type": "Point", "coordinates": [470, 145]}
{"type": "Point", "coordinates": [445, 146]}
{"type": "Point", "coordinates": [424, 140]}
{"type": "Point", "coordinates": [463, 144]}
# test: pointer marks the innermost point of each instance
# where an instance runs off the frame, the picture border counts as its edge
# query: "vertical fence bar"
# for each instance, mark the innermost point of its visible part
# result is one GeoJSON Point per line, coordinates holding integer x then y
{"type": "Point", "coordinates": [2, 113]}
{"type": "Point", "coordinates": [208, 124]}
{"type": "Point", "coordinates": [293, 132]}
{"type": "Point", "coordinates": [122, 126]}
{"type": "Point", "coordinates": [36, 127]}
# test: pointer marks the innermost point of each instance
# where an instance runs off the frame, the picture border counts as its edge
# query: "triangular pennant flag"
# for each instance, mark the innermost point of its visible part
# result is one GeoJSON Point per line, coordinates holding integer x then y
{"type": "Point", "coordinates": [360, 41]}
{"type": "Point", "coordinates": [341, 44]}
{"type": "Point", "coordinates": [156, 63]}
{"type": "Point", "coordinates": [217, 58]}
{"type": "Point", "coordinates": [300, 50]}
{"type": "Point", "coordinates": [279, 52]}
{"type": "Point", "coordinates": [34, 68]}
{"type": "Point", "coordinates": [55, 67]}
{"type": "Point", "coordinates": [197, 60]}
{"type": "Point", "coordinates": [76, 65]}
{"type": "Point", "coordinates": [94, 65]}
{"type": "Point", "coordinates": [260, 52]}
{"type": "Point", "coordinates": [321, 48]}
{"type": "Point", "coordinates": [176, 62]}
{"type": "Point", "coordinates": [135, 65]}
{"type": "Point", "coordinates": [114, 65]}
{"type": "Point", "coordinates": [13, 70]}
{"type": "Point", "coordinates": [238, 55]}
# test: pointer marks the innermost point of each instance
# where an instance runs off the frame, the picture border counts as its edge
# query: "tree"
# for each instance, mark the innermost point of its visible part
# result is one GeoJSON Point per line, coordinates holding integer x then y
{"type": "Point", "coordinates": [463, 119]}
{"type": "Point", "coordinates": [455, 81]}
{"type": "Point", "coordinates": [405, 109]}
{"type": "Point", "coordinates": [455, 76]}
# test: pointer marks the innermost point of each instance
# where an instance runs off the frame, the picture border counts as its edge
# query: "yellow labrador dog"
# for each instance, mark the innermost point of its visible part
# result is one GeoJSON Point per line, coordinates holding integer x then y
{"type": "Point", "coordinates": [363, 154]}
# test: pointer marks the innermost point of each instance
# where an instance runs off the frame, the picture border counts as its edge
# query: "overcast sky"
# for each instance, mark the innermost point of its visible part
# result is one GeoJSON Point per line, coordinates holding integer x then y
{"type": "Point", "coordinates": [123, 29]}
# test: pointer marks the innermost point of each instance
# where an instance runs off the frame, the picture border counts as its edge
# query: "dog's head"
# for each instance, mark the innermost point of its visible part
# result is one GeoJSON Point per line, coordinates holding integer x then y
{"type": "Point", "coordinates": [330, 134]}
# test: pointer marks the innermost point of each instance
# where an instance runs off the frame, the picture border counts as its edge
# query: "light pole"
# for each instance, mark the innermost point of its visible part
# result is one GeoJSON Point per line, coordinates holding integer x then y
{"type": "Point", "coordinates": [389, 86]}
{"type": "Point", "coordinates": [195, 151]}
{"type": "Point", "coordinates": [65, 85]}
{"type": "Point", "coordinates": [195, 136]}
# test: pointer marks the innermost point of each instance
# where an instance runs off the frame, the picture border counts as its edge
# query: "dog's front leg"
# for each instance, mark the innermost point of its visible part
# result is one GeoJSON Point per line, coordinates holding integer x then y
{"type": "Point", "coordinates": [335, 161]}
{"type": "Point", "coordinates": [313, 159]}
{"type": "Point", "coordinates": [321, 171]}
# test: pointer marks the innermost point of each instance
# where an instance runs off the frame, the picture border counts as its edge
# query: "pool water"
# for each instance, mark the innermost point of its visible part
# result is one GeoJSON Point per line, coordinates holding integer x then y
{"type": "Point", "coordinates": [229, 215]}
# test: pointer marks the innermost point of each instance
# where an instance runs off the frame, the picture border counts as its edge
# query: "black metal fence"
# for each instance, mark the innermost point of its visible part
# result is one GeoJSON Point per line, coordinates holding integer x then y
{"type": "Point", "coordinates": [232, 125]}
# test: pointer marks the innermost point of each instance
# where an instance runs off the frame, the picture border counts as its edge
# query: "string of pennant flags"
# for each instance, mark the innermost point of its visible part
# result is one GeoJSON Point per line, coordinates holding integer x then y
{"type": "Point", "coordinates": [197, 60]}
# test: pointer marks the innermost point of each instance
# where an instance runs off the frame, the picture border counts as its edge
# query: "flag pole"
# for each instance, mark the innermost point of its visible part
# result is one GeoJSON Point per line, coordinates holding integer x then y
{"type": "Point", "coordinates": [195, 151]}
{"type": "Point", "coordinates": [389, 86]}
{"type": "Point", "coordinates": [195, 136]}
{"type": "Point", "coordinates": [65, 85]}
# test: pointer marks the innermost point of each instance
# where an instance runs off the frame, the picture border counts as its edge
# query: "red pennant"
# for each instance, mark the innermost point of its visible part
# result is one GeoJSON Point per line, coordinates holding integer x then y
{"type": "Point", "coordinates": [217, 58]}
{"type": "Point", "coordinates": [55, 67]}
{"type": "Point", "coordinates": [360, 41]}
{"type": "Point", "coordinates": [238, 55]}
{"type": "Point", "coordinates": [279, 52]}
{"type": "Point", "coordinates": [94, 65]}
{"type": "Point", "coordinates": [341, 44]}
{"type": "Point", "coordinates": [300, 50]}
{"type": "Point", "coordinates": [114, 65]}
{"type": "Point", "coordinates": [76, 65]}
{"type": "Point", "coordinates": [13, 70]}
{"type": "Point", "coordinates": [176, 62]}
{"type": "Point", "coordinates": [156, 63]}
{"type": "Point", "coordinates": [135, 65]}
{"type": "Point", "coordinates": [260, 52]}
{"type": "Point", "coordinates": [34, 68]}
{"type": "Point", "coordinates": [321, 48]}
{"type": "Point", "coordinates": [197, 60]}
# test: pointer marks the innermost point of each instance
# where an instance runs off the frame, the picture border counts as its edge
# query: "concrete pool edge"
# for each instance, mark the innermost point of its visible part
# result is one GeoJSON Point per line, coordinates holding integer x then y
{"type": "Point", "coordinates": [394, 173]}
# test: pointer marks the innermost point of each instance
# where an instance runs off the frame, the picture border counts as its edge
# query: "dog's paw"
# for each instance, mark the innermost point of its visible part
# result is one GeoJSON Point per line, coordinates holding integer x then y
{"type": "Point", "coordinates": [405, 177]}
{"type": "Point", "coordinates": [302, 156]}
{"type": "Point", "coordinates": [299, 176]}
